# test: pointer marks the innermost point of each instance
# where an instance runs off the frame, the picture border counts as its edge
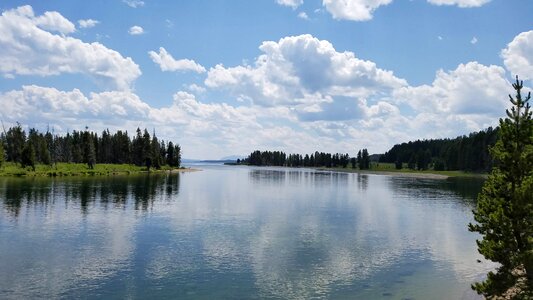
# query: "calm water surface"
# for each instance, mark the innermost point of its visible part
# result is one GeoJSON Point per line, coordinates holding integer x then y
{"type": "Point", "coordinates": [238, 233]}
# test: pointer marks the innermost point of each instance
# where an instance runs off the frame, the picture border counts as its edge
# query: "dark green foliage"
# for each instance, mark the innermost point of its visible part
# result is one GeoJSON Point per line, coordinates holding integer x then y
{"type": "Point", "coordinates": [504, 212]}
{"type": "Point", "coordinates": [398, 164]}
{"type": "Point", "coordinates": [15, 140]}
{"type": "Point", "coordinates": [28, 156]}
{"type": "Point", "coordinates": [439, 165]}
{"type": "Point", "coordinates": [87, 147]}
{"type": "Point", "coordinates": [412, 162]}
{"type": "Point", "coordinates": [173, 155]}
{"type": "Point", "coordinates": [279, 158]}
{"type": "Point", "coordinates": [364, 164]}
{"type": "Point", "coordinates": [467, 153]}
{"type": "Point", "coordinates": [2, 155]}
{"type": "Point", "coordinates": [353, 162]}
{"type": "Point", "coordinates": [422, 159]}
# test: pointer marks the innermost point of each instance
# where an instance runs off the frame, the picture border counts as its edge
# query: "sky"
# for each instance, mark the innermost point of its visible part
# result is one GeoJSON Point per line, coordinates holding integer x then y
{"type": "Point", "coordinates": [224, 78]}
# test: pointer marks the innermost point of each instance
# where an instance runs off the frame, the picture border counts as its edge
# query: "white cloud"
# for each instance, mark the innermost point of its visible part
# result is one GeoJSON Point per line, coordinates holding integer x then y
{"type": "Point", "coordinates": [460, 3]}
{"type": "Point", "coordinates": [354, 10]}
{"type": "Point", "coordinates": [49, 21]}
{"type": "Point", "coordinates": [134, 3]}
{"type": "Point", "coordinates": [292, 3]}
{"type": "Point", "coordinates": [167, 63]}
{"type": "Point", "coordinates": [302, 69]}
{"type": "Point", "coordinates": [303, 15]}
{"type": "Point", "coordinates": [196, 88]}
{"type": "Point", "coordinates": [88, 23]}
{"type": "Point", "coordinates": [518, 56]}
{"type": "Point", "coordinates": [473, 41]}
{"type": "Point", "coordinates": [136, 30]}
{"type": "Point", "coordinates": [29, 48]}
{"type": "Point", "coordinates": [362, 10]}
{"type": "Point", "coordinates": [471, 89]}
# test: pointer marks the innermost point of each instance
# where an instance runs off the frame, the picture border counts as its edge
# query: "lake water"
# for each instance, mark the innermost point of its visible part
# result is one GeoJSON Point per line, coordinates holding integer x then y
{"type": "Point", "coordinates": [235, 232]}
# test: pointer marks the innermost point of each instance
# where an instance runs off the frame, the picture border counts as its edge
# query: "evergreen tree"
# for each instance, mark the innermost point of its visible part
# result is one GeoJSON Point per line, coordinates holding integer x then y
{"type": "Point", "coordinates": [15, 139]}
{"type": "Point", "coordinates": [360, 160]}
{"type": "Point", "coordinates": [91, 155]}
{"type": "Point", "coordinates": [353, 162]}
{"type": "Point", "coordinates": [398, 164]}
{"type": "Point", "coordinates": [28, 156]}
{"type": "Point", "coordinates": [366, 159]}
{"type": "Point", "coordinates": [2, 157]}
{"type": "Point", "coordinates": [504, 212]}
{"type": "Point", "coordinates": [147, 150]}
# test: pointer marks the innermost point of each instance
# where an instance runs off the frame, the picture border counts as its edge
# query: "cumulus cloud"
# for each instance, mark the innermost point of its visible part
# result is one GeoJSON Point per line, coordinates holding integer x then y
{"type": "Point", "coordinates": [133, 3]}
{"type": "Point", "coordinates": [50, 20]}
{"type": "Point", "coordinates": [470, 89]}
{"type": "Point", "coordinates": [460, 3]}
{"type": "Point", "coordinates": [88, 23]}
{"type": "Point", "coordinates": [518, 55]}
{"type": "Point", "coordinates": [354, 10]}
{"type": "Point", "coordinates": [300, 69]}
{"type": "Point", "coordinates": [292, 3]}
{"type": "Point", "coordinates": [29, 47]}
{"type": "Point", "coordinates": [136, 30]}
{"type": "Point", "coordinates": [167, 63]}
{"type": "Point", "coordinates": [362, 10]}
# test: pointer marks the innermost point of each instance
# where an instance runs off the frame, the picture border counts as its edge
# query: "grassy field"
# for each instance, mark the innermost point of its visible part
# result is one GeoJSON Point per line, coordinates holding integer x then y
{"type": "Point", "coordinates": [72, 169]}
{"type": "Point", "coordinates": [390, 168]}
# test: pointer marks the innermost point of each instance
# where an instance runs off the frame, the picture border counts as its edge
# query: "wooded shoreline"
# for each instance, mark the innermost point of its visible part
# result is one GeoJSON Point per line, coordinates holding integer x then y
{"type": "Point", "coordinates": [79, 169]}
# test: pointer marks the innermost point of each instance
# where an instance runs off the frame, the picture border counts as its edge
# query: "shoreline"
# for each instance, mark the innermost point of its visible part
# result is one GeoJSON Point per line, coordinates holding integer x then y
{"type": "Point", "coordinates": [81, 170]}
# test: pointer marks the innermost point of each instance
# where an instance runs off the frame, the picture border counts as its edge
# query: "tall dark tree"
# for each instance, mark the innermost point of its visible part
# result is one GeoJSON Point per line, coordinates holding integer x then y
{"type": "Point", "coordinates": [504, 212]}
{"type": "Point", "coordinates": [15, 139]}
{"type": "Point", "coordinates": [2, 155]}
{"type": "Point", "coordinates": [360, 160]}
{"type": "Point", "coordinates": [147, 150]}
{"type": "Point", "coordinates": [28, 156]}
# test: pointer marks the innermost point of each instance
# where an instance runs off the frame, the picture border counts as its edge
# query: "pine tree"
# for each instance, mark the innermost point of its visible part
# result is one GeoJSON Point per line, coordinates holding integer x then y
{"type": "Point", "coordinates": [28, 156]}
{"type": "Point", "coordinates": [2, 157]}
{"type": "Point", "coordinates": [504, 213]}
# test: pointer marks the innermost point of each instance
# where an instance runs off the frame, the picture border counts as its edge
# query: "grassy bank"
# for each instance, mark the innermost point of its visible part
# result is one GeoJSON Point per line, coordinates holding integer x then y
{"type": "Point", "coordinates": [389, 168]}
{"type": "Point", "coordinates": [72, 169]}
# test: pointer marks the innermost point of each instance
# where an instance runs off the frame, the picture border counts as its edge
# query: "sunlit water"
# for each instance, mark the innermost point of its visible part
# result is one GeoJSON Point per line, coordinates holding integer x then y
{"type": "Point", "coordinates": [238, 233]}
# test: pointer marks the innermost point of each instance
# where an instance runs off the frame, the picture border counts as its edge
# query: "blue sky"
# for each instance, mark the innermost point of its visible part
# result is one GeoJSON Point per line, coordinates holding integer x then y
{"type": "Point", "coordinates": [228, 77]}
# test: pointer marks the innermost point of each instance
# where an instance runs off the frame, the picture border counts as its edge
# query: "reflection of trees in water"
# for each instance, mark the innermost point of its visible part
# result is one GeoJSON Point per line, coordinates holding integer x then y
{"type": "Point", "coordinates": [14, 193]}
{"type": "Point", "coordinates": [465, 188]}
{"type": "Point", "coordinates": [262, 176]}
{"type": "Point", "coordinates": [362, 181]}
{"type": "Point", "coordinates": [118, 192]}
{"type": "Point", "coordinates": [296, 176]}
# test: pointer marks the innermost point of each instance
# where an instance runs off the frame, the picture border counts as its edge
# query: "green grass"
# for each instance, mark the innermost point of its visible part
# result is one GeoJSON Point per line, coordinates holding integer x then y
{"type": "Point", "coordinates": [390, 167]}
{"type": "Point", "coordinates": [73, 169]}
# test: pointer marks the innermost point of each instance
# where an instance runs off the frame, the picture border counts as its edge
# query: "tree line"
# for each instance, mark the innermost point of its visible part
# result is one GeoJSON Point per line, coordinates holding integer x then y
{"type": "Point", "coordinates": [316, 159]}
{"type": "Point", "coordinates": [33, 147]}
{"type": "Point", "coordinates": [466, 153]}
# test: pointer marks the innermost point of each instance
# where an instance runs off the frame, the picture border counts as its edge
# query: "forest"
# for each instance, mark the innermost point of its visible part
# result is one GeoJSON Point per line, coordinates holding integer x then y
{"type": "Point", "coordinates": [34, 147]}
{"type": "Point", "coordinates": [317, 159]}
{"type": "Point", "coordinates": [465, 153]}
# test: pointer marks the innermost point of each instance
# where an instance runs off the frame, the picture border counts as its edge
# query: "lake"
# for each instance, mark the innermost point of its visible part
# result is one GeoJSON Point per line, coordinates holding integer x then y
{"type": "Point", "coordinates": [236, 232]}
